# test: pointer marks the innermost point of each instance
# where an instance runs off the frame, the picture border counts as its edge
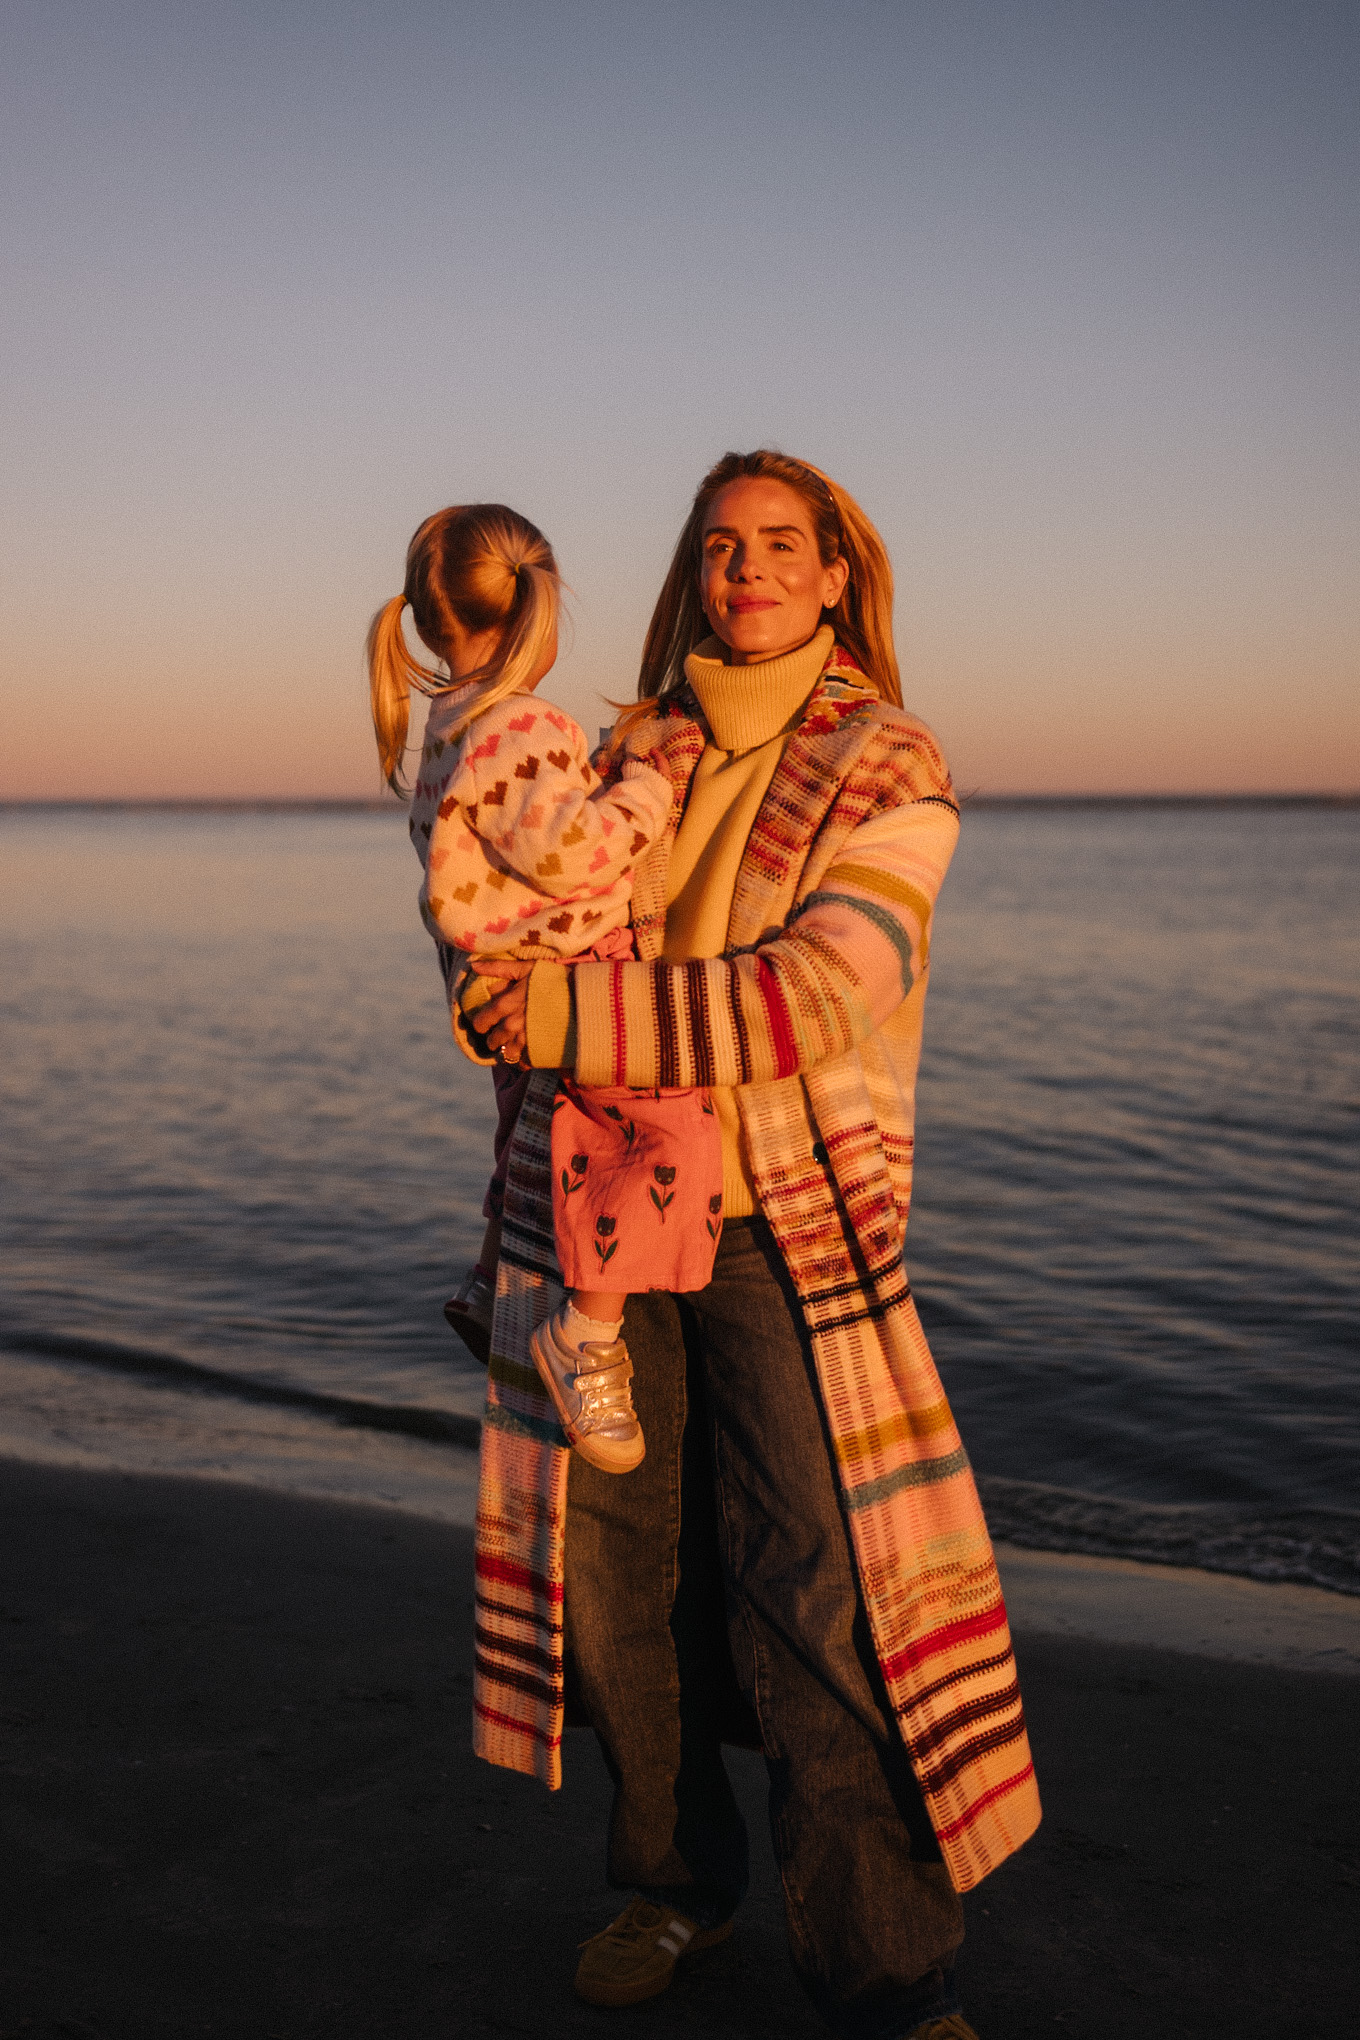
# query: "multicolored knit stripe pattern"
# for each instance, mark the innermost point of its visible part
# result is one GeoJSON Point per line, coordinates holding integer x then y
{"type": "Point", "coordinates": [522, 1495]}
{"type": "Point", "coordinates": [923, 1554]}
{"type": "Point", "coordinates": [820, 1024]}
{"type": "Point", "coordinates": [857, 933]}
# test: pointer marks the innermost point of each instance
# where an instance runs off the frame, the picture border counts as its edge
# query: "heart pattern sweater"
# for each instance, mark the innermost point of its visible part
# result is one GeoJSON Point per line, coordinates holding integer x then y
{"type": "Point", "coordinates": [527, 851]}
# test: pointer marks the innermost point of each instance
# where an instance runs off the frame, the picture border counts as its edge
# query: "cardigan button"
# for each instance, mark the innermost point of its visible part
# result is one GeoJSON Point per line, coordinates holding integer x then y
{"type": "Point", "coordinates": [819, 1154]}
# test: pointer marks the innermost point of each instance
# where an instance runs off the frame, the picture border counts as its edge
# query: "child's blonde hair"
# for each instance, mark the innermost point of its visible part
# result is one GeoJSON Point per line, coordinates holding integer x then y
{"type": "Point", "coordinates": [862, 619]}
{"type": "Point", "coordinates": [480, 566]}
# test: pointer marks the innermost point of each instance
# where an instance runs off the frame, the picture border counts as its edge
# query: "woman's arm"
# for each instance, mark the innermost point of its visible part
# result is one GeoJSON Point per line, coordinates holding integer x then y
{"type": "Point", "coordinates": [845, 961]}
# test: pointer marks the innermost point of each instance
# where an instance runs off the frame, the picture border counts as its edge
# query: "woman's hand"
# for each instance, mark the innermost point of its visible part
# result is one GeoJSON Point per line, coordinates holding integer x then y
{"type": "Point", "coordinates": [503, 1021]}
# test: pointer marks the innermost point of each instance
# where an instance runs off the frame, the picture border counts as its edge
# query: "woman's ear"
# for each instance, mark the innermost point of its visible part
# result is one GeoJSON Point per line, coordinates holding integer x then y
{"type": "Point", "coordinates": [837, 574]}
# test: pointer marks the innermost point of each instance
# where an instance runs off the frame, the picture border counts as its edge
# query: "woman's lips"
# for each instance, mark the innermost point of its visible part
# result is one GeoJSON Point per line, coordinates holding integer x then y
{"type": "Point", "coordinates": [748, 603]}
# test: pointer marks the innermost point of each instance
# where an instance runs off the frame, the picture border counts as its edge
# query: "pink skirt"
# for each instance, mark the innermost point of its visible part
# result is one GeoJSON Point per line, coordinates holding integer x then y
{"type": "Point", "coordinates": [637, 1188]}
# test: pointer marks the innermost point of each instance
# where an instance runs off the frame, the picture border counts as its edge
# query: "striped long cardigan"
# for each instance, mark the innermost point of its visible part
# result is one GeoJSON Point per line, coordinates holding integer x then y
{"type": "Point", "coordinates": [815, 1012]}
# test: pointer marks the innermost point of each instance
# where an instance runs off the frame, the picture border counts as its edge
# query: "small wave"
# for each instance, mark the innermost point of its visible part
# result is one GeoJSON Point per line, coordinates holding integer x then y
{"type": "Point", "coordinates": [444, 1427]}
{"type": "Point", "coordinates": [1311, 1547]}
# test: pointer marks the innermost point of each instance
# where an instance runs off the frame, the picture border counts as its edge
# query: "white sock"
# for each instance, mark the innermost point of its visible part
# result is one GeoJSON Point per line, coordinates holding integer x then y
{"type": "Point", "coordinates": [579, 1330]}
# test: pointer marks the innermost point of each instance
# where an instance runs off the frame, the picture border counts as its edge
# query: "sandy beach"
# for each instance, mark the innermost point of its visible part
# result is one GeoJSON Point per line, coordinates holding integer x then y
{"type": "Point", "coordinates": [239, 1800]}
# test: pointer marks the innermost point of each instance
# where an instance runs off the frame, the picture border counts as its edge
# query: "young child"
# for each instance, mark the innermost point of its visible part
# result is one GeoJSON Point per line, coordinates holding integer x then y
{"type": "Point", "coordinates": [529, 854]}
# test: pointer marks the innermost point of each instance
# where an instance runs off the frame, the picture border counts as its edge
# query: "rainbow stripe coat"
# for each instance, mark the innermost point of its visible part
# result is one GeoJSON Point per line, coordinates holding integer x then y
{"type": "Point", "coordinates": [815, 1012]}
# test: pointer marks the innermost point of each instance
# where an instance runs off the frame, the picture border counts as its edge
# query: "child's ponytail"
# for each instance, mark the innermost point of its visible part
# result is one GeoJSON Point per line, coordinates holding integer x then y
{"type": "Point", "coordinates": [478, 567]}
{"type": "Point", "coordinates": [392, 673]}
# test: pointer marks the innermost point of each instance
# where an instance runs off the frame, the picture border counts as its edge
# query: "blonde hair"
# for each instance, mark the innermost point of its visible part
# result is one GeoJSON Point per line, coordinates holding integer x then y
{"type": "Point", "coordinates": [474, 566]}
{"type": "Point", "coordinates": [862, 619]}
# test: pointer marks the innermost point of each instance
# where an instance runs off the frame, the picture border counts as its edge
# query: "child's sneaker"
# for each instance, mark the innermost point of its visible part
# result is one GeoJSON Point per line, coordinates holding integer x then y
{"type": "Point", "coordinates": [590, 1392]}
{"type": "Point", "coordinates": [470, 1311]}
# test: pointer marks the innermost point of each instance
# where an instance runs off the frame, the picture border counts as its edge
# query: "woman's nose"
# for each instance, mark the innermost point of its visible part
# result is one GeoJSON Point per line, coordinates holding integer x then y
{"type": "Point", "coordinates": [741, 566]}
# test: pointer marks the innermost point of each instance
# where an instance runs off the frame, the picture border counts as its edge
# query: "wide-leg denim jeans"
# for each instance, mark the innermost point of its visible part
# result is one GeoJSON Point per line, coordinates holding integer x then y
{"type": "Point", "coordinates": [710, 1596]}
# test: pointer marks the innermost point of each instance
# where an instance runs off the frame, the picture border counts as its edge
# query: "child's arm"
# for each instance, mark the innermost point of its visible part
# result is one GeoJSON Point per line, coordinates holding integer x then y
{"type": "Point", "coordinates": [529, 792]}
{"type": "Point", "coordinates": [522, 824]}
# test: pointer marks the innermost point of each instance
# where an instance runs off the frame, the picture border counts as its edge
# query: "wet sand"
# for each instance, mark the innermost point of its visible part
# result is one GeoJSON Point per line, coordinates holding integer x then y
{"type": "Point", "coordinates": [237, 1799]}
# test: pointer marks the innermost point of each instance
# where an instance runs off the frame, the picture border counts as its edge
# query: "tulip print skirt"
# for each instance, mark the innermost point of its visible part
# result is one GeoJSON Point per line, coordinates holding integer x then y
{"type": "Point", "coordinates": [637, 1188]}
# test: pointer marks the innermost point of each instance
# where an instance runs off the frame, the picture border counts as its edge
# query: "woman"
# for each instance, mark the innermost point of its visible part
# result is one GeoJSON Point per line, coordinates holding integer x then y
{"type": "Point", "coordinates": [801, 1557]}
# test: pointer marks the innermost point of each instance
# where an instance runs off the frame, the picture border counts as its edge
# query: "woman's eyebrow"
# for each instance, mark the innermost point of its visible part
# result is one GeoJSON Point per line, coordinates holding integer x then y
{"type": "Point", "coordinates": [730, 530]}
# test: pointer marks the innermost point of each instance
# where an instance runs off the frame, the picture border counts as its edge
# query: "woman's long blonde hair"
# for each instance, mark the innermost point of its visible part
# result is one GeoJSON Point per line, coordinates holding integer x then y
{"type": "Point", "coordinates": [480, 566]}
{"type": "Point", "coordinates": [862, 619]}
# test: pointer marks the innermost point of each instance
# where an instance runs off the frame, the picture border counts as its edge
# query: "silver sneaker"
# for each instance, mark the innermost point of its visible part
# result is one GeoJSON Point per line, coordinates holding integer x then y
{"type": "Point", "coordinates": [590, 1392]}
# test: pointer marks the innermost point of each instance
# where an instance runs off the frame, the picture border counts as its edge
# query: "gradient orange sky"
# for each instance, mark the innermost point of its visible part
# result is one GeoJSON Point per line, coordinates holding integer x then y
{"type": "Point", "coordinates": [1065, 294]}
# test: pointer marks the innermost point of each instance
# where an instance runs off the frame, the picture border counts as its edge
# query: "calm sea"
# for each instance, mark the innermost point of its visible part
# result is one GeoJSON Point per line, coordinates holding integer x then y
{"type": "Point", "coordinates": [238, 1140]}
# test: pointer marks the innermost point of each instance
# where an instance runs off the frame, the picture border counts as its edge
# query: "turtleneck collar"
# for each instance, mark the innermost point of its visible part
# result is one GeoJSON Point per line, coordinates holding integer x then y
{"type": "Point", "coordinates": [746, 706]}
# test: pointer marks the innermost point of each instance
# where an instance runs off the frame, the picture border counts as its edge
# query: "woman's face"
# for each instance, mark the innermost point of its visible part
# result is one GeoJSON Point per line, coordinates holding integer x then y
{"type": "Point", "coordinates": [761, 579]}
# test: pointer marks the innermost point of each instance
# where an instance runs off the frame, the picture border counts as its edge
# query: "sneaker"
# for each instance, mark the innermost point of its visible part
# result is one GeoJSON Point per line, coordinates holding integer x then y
{"type": "Point", "coordinates": [470, 1310]}
{"type": "Point", "coordinates": [955, 2027]}
{"type": "Point", "coordinates": [590, 1392]}
{"type": "Point", "coordinates": [635, 1957]}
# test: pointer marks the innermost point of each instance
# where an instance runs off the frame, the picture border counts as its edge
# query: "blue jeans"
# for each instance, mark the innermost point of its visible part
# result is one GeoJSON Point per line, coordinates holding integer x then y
{"type": "Point", "coordinates": [711, 1596]}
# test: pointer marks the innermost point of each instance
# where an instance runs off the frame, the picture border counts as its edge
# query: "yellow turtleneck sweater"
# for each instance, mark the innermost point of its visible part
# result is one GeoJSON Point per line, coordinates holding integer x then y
{"type": "Point", "coordinates": [752, 711]}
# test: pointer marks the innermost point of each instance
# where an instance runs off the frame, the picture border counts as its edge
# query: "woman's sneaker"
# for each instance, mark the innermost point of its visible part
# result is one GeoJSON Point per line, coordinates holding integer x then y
{"type": "Point", "coordinates": [470, 1311]}
{"type": "Point", "coordinates": [635, 1957]}
{"type": "Point", "coordinates": [589, 1388]}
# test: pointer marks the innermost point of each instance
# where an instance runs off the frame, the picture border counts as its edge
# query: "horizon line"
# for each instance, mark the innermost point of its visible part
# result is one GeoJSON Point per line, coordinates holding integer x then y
{"type": "Point", "coordinates": [359, 804]}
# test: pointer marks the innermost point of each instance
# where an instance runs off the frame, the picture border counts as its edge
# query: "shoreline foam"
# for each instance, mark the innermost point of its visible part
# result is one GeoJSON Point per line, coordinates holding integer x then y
{"type": "Point", "coordinates": [1305, 1547]}
{"type": "Point", "coordinates": [92, 1420]}
{"type": "Point", "coordinates": [1195, 1613]}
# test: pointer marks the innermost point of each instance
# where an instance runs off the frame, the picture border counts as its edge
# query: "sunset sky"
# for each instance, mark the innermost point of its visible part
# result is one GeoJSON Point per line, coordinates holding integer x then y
{"type": "Point", "coordinates": [1066, 295]}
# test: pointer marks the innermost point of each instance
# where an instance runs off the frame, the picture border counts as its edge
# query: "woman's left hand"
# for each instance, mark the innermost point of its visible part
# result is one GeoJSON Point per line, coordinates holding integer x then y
{"type": "Point", "coordinates": [503, 1021]}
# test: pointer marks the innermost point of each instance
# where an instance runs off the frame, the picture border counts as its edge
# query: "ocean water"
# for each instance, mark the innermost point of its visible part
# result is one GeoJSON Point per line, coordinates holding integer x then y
{"type": "Point", "coordinates": [244, 1161]}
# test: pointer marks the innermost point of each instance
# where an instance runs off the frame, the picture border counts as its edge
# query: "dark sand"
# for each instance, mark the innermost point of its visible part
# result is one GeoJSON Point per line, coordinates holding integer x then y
{"type": "Point", "coordinates": [238, 1800]}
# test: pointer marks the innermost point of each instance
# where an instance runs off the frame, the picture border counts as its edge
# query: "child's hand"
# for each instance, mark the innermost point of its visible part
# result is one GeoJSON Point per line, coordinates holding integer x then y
{"type": "Point", "coordinates": [503, 1021]}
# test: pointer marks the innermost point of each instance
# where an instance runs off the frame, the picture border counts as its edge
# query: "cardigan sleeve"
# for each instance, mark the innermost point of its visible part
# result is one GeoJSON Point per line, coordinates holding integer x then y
{"type": "Point", "coordinates": [844, 962]}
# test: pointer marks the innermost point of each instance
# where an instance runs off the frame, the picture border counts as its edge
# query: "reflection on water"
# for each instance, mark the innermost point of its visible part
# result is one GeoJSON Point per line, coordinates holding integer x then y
{"type": "Point", "coordinates": [240, 1130]}
{"type": "Point", "coordinates": [237, 1132]}
{"type": "Point", "coordinates": [1137, 1188]}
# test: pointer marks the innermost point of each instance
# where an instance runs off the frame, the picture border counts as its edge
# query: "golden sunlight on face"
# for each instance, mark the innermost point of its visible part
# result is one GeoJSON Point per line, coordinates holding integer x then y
{"type": "Point", "coordinates": [762, 583]}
